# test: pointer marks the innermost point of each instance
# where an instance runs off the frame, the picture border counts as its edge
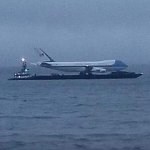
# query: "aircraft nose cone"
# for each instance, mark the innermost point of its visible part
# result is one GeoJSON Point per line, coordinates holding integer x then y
{"type": "Point", "coordinates": [124, 65]}
{"type": "Point", "coordinates": [120, 64]}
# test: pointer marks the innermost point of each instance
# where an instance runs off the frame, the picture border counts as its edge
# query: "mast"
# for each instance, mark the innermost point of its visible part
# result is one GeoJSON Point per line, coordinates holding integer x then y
{"type": "Point", "coordinates": [24, 65]}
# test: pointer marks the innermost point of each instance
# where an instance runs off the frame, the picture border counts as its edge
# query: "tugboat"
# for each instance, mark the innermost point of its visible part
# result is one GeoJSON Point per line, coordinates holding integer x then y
{"type": "Point", "coordinates": [24, 72]}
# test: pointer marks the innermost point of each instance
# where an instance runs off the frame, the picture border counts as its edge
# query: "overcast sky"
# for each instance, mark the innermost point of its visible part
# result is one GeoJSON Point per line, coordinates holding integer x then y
{"type": "Point", "coordinates": [75, 30]}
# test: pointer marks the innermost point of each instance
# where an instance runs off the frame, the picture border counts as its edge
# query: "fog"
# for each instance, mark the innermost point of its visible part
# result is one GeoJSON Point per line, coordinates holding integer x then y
{"type": "Point", "coordinates": [75, 30]}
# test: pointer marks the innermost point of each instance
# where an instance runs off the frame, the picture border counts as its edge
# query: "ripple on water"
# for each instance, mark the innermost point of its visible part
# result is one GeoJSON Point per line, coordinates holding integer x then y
{"type": "Point", "coordinates": [4, 98]}
{"type": "Point", "coordinates": [29, 117]}
{"type": "Point", "coordinates": [11, 145]}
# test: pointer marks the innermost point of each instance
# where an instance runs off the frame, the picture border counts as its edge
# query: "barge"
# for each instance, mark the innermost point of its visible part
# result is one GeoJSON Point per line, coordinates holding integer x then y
{"type": "Point", "coordinates": [24, 74]}
{"type": "Point", "coordinates": [113, 75]}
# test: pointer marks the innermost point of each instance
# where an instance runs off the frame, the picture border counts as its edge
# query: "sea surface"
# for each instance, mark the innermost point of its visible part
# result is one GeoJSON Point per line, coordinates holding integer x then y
{"type": "Point", "coordinates": [75, 114]}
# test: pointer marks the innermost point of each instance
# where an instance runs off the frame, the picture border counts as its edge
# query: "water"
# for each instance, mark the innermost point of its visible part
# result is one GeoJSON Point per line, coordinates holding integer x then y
{"type": "Point", "coordinates": [75, 114]}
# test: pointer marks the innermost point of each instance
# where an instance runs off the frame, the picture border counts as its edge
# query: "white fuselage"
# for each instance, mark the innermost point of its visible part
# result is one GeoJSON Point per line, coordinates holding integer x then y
{"type": "Point", "coordinates": [96, 66]}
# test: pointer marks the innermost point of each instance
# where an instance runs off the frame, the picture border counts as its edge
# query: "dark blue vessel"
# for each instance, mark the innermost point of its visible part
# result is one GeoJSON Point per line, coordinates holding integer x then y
{"type": "Point", "coordinates": [113, 75]}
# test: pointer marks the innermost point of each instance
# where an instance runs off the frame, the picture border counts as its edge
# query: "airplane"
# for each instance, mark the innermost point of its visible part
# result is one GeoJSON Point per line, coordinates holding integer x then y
{"type": "Point", "coordinates": [82, 67]}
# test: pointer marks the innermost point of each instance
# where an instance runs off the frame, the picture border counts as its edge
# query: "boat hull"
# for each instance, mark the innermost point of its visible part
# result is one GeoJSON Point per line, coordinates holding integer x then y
{"type": "Point", "coordinates": [113, 75]}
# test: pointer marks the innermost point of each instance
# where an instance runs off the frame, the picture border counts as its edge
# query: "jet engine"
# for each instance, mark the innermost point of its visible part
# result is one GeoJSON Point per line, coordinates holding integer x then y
{"type": "Point", "coordinates": [97, 69]}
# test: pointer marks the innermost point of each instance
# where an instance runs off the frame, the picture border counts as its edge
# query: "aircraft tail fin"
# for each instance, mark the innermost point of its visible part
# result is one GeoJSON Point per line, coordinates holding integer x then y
{"type": "Point", "coordinates": [42, 53]}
